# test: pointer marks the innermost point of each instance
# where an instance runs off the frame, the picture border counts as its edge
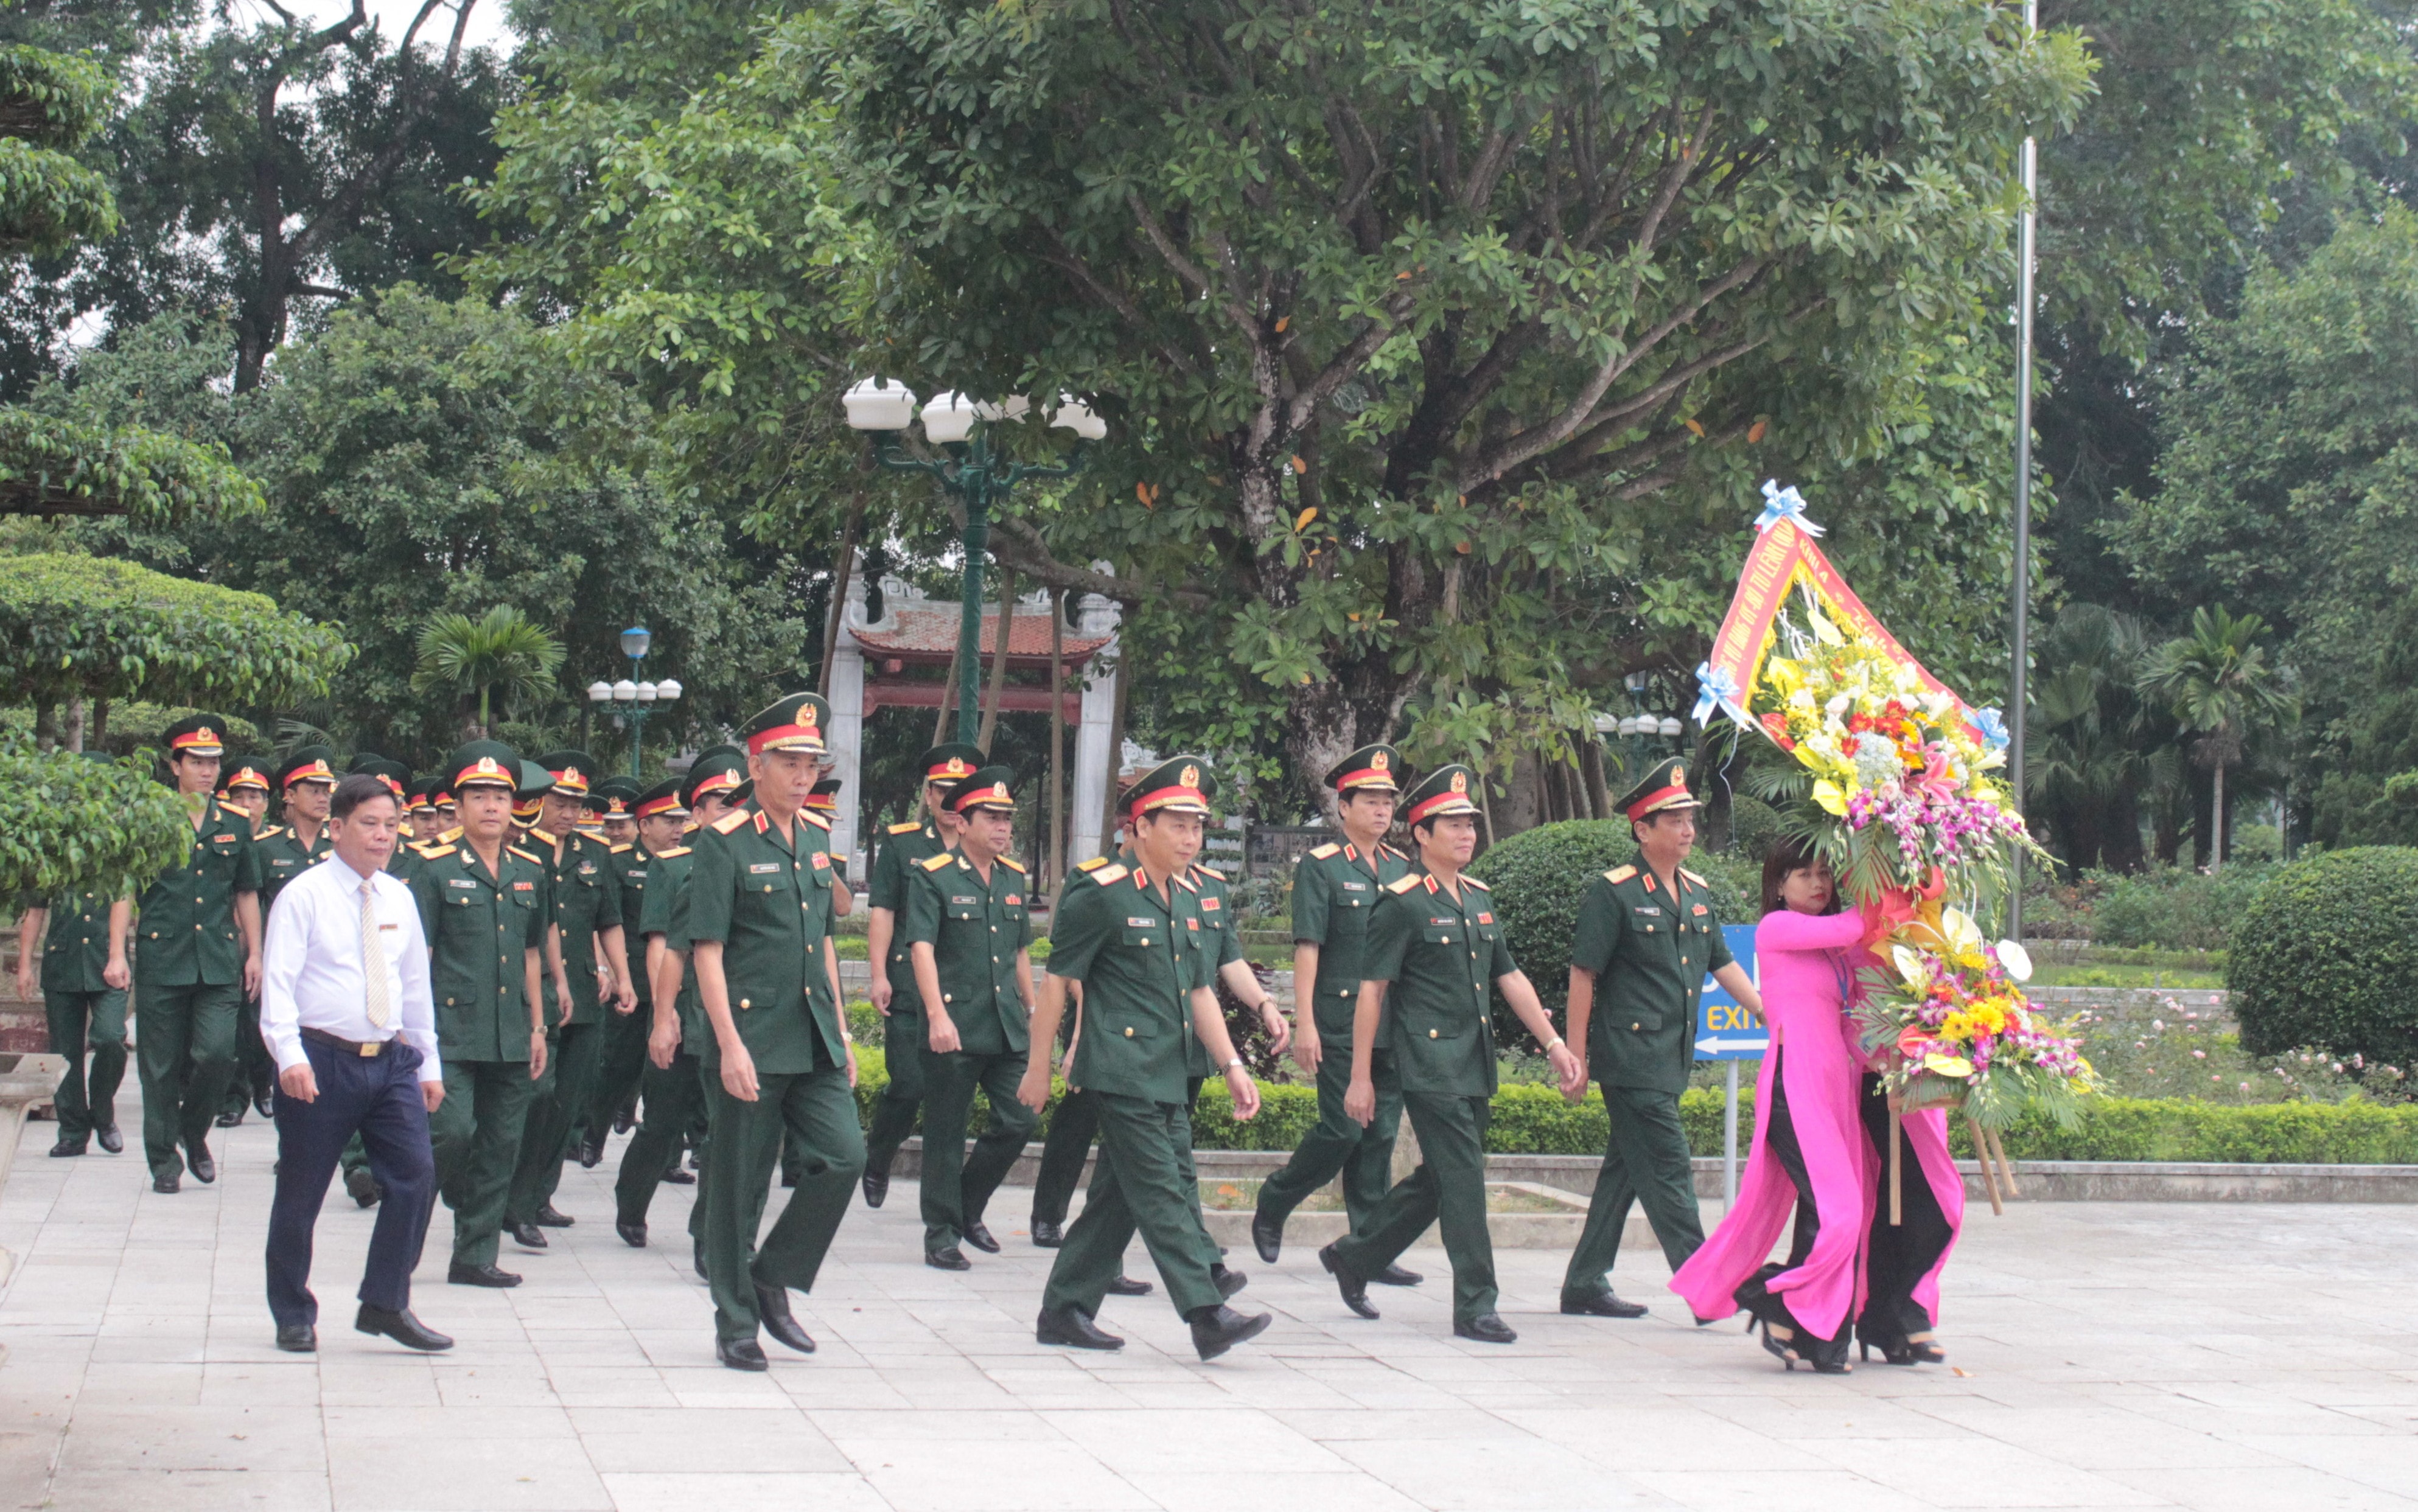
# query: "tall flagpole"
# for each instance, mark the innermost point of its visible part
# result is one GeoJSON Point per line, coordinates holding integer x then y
{"type": "Point", "coordinates": [2019, 694]}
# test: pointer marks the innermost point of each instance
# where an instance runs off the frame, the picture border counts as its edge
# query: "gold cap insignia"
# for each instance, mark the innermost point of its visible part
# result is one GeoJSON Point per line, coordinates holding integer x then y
{"type": "Point", "coordinates": [1461, 782]}
{"type": "Point", "coordinates": [1679, 775]}
{"type": "Point", "coordinates": [956, 766]}
{"type": "Point", "coordinates": [1377, 762]}
{"type": "Point", "coordinates": [1191, 777]}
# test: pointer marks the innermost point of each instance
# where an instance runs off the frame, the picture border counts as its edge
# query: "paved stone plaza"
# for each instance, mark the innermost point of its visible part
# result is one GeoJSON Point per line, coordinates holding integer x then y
{"type": "Point", "coordinates": [2106, 1354]}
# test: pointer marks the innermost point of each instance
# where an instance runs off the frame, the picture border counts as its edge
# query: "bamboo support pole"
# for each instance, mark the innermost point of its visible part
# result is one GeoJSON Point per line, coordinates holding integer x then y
{"type": "Point", "coordinates": [1989, 1175]}
{"type": "Point", "coordinates": [1897, 1191]}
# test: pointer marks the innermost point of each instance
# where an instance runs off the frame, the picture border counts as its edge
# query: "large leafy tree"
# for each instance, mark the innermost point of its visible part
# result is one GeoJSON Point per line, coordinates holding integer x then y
{"type": "Point", "coordinates": [1410, 316]}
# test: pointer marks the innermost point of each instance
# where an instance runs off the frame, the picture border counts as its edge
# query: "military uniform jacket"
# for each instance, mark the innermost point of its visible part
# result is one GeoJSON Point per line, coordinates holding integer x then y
{"type": "Point", "coordinates": [75, 947]}
{"type": "Point", "coordinates": [586, 898]}
{"type": "Point", "coordinates": [666, 914]}
{"type": "Point", "coordinates": [1335, 890]}
{"type": "Point", "coordinates": [1440, 959]}
{"type": "Point", "coordinates": [480, 927]}
{"type": "Point", "coordinates": [1138, 959]}
{"type": "Point", "coordinates": [1650, 953]}
{"type": "Point", "coordinates": [903, 848]}
{"type": "Point", "coordinates": [770, 905]}
{"type": "Point", "coordinates": [1219, 943]}
{"type": "Point", "coordinates": [975, 930]}
{"type": "Point", "coordinates": [630, 863]}
{"type": "Point", "coordinates": [284, 857]}
{"type": "Point", "coordinates": [187, 935]}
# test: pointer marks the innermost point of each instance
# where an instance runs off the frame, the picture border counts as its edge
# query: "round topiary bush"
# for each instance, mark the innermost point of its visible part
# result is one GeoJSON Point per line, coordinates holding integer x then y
{"type": "Point", "coordinates": [1539, 876]}
{"type": "Point", "coordinates": [2326, 956]}
{"type": "Point", "coordinates": [1754, 827]}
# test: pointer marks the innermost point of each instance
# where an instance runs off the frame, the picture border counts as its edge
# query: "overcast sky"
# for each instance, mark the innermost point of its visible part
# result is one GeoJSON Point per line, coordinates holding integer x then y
{"type": "Point", "coordinates": [487, 28]}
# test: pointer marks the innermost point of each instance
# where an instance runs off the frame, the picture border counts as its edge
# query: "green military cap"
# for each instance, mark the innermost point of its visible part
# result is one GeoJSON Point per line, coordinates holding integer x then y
{"type": "Point", "coordinates": [950, 762]}
{"type": "Point", "coordinates": [396, 776]}
{"type": "Point", "coordinates": [535, 782]}
{"type": "Point", "coordinates": [422, 794]}
{"type": "Point", "coordinates": [990, 788]}
{"type": "Point", "coordinates": [718, 768]}
{"type": "Point", "coordinates": [825, 797]}
{"type": "Point", "coordinates": [1184, 784]}
{"type": "Point", "coordinates": [1377, 766]}
{"type": "Point", "coordinates": [744, 791]}
{"type": "Point", "coordinates": [1444, 791]}
{"type": "Point", "coordinates": [572, 773]}
{"type": "Point", "coordinates": [481, 764]}
{"type": "Point", "coordinates": [795, 723]}
{"type": "Point", "coordinates": [308, 763]}
{"type": "Point", "coordinates": [663, 798]}
{"type": "Point", "coordinates": [196, 735]}
{"type": "Point", "coordinates": [1665, 785]}
{"type": "Point", "coordinates": [615, 798]}
{"type": "Point", "coordinates": [243, 773]}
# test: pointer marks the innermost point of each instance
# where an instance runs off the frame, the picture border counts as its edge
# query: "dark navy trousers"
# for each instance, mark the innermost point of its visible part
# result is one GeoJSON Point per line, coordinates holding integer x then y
{"type": "Point", "coordinates": [378, 1097]}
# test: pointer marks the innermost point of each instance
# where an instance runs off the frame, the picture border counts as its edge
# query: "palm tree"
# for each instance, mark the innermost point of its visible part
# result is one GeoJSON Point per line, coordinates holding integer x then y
{"type": "Point", "coordinates": [2223, 690]}
{"type": "Point", "coordinates": [500, 652]}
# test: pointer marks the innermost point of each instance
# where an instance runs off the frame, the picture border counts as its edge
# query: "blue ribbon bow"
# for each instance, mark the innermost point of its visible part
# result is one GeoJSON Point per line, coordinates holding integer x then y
{"type": "Point", "coordinates": [1783, 504]}
{"type": "Point", "coordinates": [1993, 727]}
{"type": "Point", "coordinates": [1716, 690]}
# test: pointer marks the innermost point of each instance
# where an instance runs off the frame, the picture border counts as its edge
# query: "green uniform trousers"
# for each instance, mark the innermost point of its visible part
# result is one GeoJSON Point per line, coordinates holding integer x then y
{"type": "Point", "coordinates": [621, 1067]}
{"type": "Point", "coordinates": [1645, 1160]}
{"type": "Point", "coordinates": [1448, 1189]}
{"type": "Point", "coordinates": [255, 1069]}
{"type": "Point", "coordinates": [185, 1052]}
{"type": "Point", "coordinates": [675, 1099]}
{"type": "Point", "coordinates": [1336, 1145]}
{"type": "Point", "coordinates": [956, 1186]}
{"type": "Point", "coordinates": [1074, 1124]}
{"type": "Point", "coordinates": [476, 1133]}
{"type": "Point", "coordinates": [895, 1110]}
{"type": "Point", "coordinates": [82, 1024]}
{"type": "Point", "coordinates": [1145, 1181]}
{"type": "Point", "coordinates": [573, 1051]}
{"type": "Point", "coordinates": [820, 1108]}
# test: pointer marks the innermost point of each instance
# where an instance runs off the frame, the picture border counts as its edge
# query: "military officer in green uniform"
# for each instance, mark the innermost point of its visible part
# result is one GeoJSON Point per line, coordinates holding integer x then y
{"type": "Point", "coordinates": [967, 930]}
{"type": "Point", "coordinates": [613, 1104]}
{"type": "Point", "coordinates": [84, 978]}
{"type": "Point", "coordinates": [1334, 888]}
{"type": "Point", "coordinates": [196, 958]}
{"type": "Point", "coordinates": [244, 784]}
{"type": "Point", "coordinates": [1433, 953]}
{"type": "Point", "coordinates": [1131, 936]}
{"type": "Point", "coordinates": [305, 783]}
{"type": "Point", "coordinates": [1646, 936]}
{"type": "Point", "coordinates": [586, 885]}
{"type": "Point", "coordinates": [486, 907]}
{"type": "Point", "coordinates": [894, 991]}
{"type": "Point", "coordinates": [760, 915]}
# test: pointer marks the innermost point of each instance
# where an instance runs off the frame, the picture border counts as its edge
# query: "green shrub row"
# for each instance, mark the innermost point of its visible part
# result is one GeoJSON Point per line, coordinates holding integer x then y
{"type": "Point", "coordinates": [1535, 1121]}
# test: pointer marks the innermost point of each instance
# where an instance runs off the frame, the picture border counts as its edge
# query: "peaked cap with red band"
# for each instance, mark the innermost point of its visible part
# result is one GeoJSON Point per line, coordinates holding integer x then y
{"type": "Point", "coordinates": [245, 773]}
{"type": "Point", "coordinates": [199, 735]}
{"type": "Point", "coordinates": [573, 771]}
{"type": "Point", "coordinates": [1664, 787]}
{"type": "Point", "coordinates": [614, 798]}
{"type": "Point", "coordinates": [824, 799]}
{"type": "Point", "coordinates": [1447, 790]}
{"type": "Point", "coordinates": [1182, 786]}
{"type": "Point", "coordinates": [952, 761]}
{"type": "Point", "coordinates": [663, 798]}
{"type": "Point", "coordinates": [991, 787]}
{"type": "Point", "coordinates": [795, 723]}
{"type": "Point", "coordinates": [396, 776]}
{"type": "Point", "coordinates": [483, 764]}
{"type": "Point", "coordinates": [1375, 767]}
{"type": "Point", "coordinates": [307, 764]}
{"type": "Point", "coordinates": [718, 768]}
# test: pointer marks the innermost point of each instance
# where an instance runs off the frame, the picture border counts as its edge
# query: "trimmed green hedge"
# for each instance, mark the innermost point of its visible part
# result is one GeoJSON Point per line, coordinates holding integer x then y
{"type": "Point", "coordinates": [1530, 1120]}
{"type": "Point", "coordinates": [2324, 955]}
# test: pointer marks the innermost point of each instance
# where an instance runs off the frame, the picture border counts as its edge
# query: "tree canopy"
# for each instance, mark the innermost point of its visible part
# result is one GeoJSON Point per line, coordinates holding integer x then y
{"type": "Point", "coordinates": [67, 823]}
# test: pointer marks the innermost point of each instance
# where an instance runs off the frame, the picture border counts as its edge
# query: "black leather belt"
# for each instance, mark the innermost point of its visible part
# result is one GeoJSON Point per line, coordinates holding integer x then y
{"type": "Point", "coordinates": [364, 1048]}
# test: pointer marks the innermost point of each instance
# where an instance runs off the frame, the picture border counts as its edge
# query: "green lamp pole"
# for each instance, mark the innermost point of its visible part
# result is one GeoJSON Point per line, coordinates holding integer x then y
{"type": "Point", "coordinates": [638, 699]}
{"type": "Point", "coordinates": [973, 474]}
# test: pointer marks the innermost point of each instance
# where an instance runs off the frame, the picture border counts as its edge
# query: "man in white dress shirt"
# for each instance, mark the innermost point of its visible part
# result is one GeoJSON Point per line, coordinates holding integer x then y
{"type": "Point", "coordinates": [345, 1009]}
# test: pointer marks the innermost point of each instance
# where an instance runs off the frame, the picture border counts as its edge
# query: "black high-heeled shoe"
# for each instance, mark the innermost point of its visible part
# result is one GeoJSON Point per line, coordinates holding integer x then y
{"type": "Point", "coordinates": [1781, 1350]}
{"type": "Point", "coordinates": [1900, 1349]}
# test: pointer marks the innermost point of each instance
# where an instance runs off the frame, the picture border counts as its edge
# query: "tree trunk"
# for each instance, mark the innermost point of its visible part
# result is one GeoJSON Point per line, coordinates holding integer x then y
{"type": "Point", "coordinates": [2216, 823]}
{"type": "Point", "coordinates": [1520, 805]}
{"type": "Point", "coordinates": [841, 573]}
{"type": "Point", "coordinates": [999, 656]}
{"type": "Point", "coordinates": [46, 724]}
{"type": "Point", "coordinates": [948, 698]}
{"type": "Point", "coordinates": [1054, 859]}
{"type": "Point", "coordinates": [77, 710]}
{"type": "Point", "coordinates": [1599, 792]}
{"type": "Point", "coordinates": [1116, 753]}
{"type": "Point", "coordinates": [99, 723]}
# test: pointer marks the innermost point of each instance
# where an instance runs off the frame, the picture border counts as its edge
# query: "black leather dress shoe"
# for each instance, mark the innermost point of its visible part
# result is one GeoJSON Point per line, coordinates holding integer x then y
{"type": "Point", "coordinates": [1125, 1286]}
{"type": "Point", "coordinates": [228, 1121]}
{"type": "Point", "coordinates": [625, 1117]}
{"type": "Point", "coordinates": [633, 1234]}
{"type": "Point", "coordinates": [298, 1338]}
{"type": "Point", "coordinates": [1073, 1328]}
{"type": "Point", "coordinates": [876, 1182]}
{"type": "Point", "coordinates": [401, 1327]}
{"type": "Point", "coordinates": [1267, 1237]}
{"type": "Point", "coordinates": [773, 1309]}
{"type": "Point", "coordinates": [979, 1235]}
{"type": "Point", "coordinates": [591, 1150]}
{"type": "Point", "coordinates": [1486, 1328]}
{"type": "Point", "coordinates": [111, 1139]}
{"type": "Point", "coordinates": [1396, 1275]}
{"type": "Point", "coordinates": [548, 1219]}
{"type": "Point", "coordinates": [696, 1258]}
{"type": "Point", "coordinates": [1228, 1281]}
{"type": "Point", "coordinates": [1047, 1235]}
{"type": "Point", "coordinates": [951, 1258]}
{"type": "Point", "coordinates": [205, 1169]}
{"type": "Point", "coordinates": [742, 1355]}
{"type": "Point", "coordinates": [527, 1235]}
{"type": "Point", "coordinates": [1599, 1305]}
{"type": "Point", "coordinates": [678, 1177]}
{"type": "Point", "coordinates": [1215, 1330]}
{"type": "Point", "coordinates": [362, 1188]}
{"type": "Point", "coordinates": [487, 1274]}
{"type": "Point", "coordinates": [264, 1105]}
{"type": "Point", "coordinates": [1350, 1284]}
{"type": "Point", "coordinates": [167, 1186]}
{"type": "Point", "coordinates": [69, 1144]}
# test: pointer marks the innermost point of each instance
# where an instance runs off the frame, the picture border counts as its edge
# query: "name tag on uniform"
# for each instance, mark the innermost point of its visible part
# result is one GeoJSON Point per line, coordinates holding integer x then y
{"type": "Point", "coordinates": [953, 899]}
{"type": "Point", "coordinates": [1437, 922]}
{"type": "Point", "coordinates": [1355, 887]}
{"type": "Point", "coordinates": [464, 881]}
{"type": "Point", "coordinates": [1209, 905]}
{"type": "Point", "coordinates": [1649, 908]}
{"type": "Point", "coordinates": [758, 868]}
{"type": "Point", "coordinates": [1138, 924]}
{"type": "Point", "coordinates": [524, 887]}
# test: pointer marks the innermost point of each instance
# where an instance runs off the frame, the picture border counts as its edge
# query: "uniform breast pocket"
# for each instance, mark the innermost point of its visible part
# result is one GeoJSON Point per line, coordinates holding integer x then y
{"type": "Point", "coordinates": [1435, 1026]}
{"type": "Point", "coordinates": [1143, 936]}
{"type": "Point", "coordinates": [1123, 1030]}
{"type": "Point", "coordinates": [962, 913]}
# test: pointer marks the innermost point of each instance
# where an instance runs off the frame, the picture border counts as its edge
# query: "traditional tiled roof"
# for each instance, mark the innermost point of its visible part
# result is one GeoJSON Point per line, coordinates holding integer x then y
{"type": "Point", "coordinates": [922, 633]}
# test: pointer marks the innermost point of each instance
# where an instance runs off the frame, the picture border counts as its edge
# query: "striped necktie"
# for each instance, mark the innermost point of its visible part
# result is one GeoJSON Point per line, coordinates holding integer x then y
{"type": "Point", "coordinates": [372, 963]}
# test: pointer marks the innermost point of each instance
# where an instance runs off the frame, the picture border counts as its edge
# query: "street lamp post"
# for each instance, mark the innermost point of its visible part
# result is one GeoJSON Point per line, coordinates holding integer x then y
{"type": "Point", "coordinates": [638, 699]}
{"type": "Point", "coordinates": [973, 474]}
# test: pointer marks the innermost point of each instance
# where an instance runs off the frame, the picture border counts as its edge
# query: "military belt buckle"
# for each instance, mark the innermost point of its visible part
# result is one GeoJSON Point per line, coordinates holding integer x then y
{"type": "Point", "coordinates": [370, 1048]}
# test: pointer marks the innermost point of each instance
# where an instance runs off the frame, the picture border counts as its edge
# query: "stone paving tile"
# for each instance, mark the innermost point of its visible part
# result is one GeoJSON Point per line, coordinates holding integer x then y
{"type": "Point", "coordinates": [2210, 1357]}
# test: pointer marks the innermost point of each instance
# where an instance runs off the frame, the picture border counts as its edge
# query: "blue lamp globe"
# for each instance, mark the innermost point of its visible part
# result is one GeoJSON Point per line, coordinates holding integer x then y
{"type": "Point", "coordinates": [634, 641]}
